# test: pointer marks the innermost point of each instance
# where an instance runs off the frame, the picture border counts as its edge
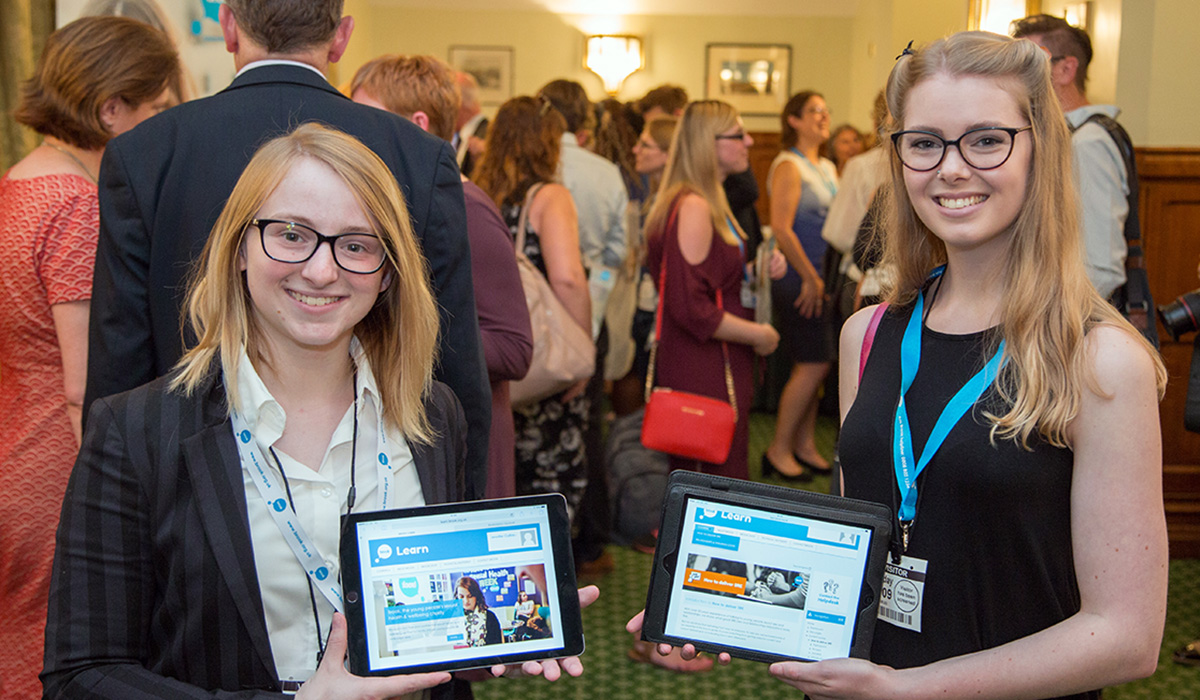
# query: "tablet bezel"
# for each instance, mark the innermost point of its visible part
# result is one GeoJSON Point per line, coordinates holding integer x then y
{"type": "Point", "coordinates": [564, 575]}
{"type": "Point", "coordinates": [792, 502]}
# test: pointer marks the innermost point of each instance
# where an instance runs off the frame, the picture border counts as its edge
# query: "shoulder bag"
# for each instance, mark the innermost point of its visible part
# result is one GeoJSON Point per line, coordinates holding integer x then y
{"type": "Point", "coordinates": [678, 422]}
{"type": "Point", "coordinates": [563, 352]}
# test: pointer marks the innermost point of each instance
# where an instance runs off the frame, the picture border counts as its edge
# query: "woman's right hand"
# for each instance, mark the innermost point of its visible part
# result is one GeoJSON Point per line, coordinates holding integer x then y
{"type": "Point", "coordinates": [812, 296]}
{"type": "Point", "coordinates": [768, 339]}
{"type": "Point", "coordinates": [332, 681]}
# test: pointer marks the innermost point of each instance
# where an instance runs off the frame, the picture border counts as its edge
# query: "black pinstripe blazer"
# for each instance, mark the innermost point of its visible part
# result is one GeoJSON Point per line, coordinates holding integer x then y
{"type": "Point", "coordinates": [154, 592]}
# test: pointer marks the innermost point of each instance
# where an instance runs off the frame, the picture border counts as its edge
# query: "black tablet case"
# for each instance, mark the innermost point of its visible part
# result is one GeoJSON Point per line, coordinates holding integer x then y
{"type": "Point", "coordinates": [777, 498]}
{"type": "Point", "coordinates": [564, 566]}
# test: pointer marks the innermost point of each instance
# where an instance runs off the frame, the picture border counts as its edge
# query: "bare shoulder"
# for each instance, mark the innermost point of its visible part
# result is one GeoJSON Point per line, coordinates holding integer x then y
{"type": "Point", "coordinates": [1120, 361]}
{"type": "Point", "coordinates": [853, 332]}
{"type": "Point", "coordinates": [694, 206]}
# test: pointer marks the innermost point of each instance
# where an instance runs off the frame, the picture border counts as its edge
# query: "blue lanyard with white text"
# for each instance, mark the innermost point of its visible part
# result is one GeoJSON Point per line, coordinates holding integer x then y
{"type": "Point", "coordinates": [285, 517]}
{"type": "Point", "coordinates": [829, 183]}
{"type": "Point", "coordinates": [902, 449]}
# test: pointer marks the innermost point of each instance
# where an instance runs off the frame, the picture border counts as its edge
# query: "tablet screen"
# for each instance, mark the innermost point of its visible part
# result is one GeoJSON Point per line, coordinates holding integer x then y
{"type": "Point", "coordinates": [452, 588]}
{"type": "Point", "coordinates": [766, 581]}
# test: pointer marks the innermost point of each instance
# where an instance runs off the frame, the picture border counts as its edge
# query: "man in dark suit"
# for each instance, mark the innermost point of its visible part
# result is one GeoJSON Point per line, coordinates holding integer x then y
{"type": "Point", "coordinates": [163, 185]}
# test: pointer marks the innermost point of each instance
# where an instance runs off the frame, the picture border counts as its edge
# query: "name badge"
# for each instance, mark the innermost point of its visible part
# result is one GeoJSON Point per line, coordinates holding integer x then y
{"type": "Point", "coordinates": [903, 592]}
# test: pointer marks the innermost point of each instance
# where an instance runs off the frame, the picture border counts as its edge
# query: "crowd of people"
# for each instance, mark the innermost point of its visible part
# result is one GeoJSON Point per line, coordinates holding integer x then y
{"type": "Point", "coordinates": [171, 288]}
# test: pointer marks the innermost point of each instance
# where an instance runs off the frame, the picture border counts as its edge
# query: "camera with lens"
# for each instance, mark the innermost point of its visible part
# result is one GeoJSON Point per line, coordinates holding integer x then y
{"type": "Point", "coordinates": [1182, 315]}
{"type": "Point", "coordinates": [1179, 317]}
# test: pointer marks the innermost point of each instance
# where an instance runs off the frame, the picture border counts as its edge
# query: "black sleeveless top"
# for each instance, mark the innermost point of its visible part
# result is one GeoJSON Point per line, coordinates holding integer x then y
{"type": "Point", "coordinates": [992, 521]}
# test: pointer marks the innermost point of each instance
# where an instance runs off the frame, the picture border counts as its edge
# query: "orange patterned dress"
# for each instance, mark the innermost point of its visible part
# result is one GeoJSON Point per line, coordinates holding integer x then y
{"type": "Point", "coordinates": [48, 230]}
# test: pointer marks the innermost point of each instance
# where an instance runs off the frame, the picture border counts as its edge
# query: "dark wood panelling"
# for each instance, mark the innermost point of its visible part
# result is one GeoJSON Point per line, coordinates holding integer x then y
{"type": "Point", "coordinates": [1170, 210]}
{"type": "Point", "coordinates": [764, 150]}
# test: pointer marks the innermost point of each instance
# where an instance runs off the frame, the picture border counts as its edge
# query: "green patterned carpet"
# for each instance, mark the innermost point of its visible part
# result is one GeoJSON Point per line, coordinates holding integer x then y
{"type": "Point", "coordinates": [609, 673]}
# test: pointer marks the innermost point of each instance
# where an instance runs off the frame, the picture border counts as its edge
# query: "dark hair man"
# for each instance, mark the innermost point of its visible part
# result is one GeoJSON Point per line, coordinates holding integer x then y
{"type": "Point", "coordinates": [163, 184]}
{"type": "Point", "coordinates": [1099, 167]}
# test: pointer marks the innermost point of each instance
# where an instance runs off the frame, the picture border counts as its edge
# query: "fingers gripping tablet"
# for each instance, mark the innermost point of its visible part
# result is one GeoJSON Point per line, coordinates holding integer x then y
{"type": "Point", "coordinates": [457, 586]}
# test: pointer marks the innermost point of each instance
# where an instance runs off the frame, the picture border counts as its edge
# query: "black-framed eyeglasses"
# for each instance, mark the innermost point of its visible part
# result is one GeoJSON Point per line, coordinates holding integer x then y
{"type": "Point", "coordinates": [739, 136]}
{"type": "Point", "coordinates": [985, 148]}
{"type": "Point", "coordinates": [290, 242]}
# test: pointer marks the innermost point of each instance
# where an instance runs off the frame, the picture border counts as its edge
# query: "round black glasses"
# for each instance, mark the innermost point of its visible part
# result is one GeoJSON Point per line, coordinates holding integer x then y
{"type": "Point", "coordinates": [290, 242]}
{"type": "Point", "coordinates": [985, 148]}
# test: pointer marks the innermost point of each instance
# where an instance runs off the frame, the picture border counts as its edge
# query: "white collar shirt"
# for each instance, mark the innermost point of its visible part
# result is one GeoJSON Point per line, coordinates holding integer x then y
{"type": "Point", "coordinates": [319, 497]}
{"type": "Point", "coordinates": [600, 200]}
{"type": "Point", "coordinates": [278, 62]}
{"type": "Point", "coordinates": [1103, 197]}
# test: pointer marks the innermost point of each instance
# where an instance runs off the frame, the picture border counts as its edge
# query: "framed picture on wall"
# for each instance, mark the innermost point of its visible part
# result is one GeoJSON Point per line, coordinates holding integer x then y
{"type": "Point", "coordinates": [492, 68]}
{"type": "Point", "coordinates": [754, 78]}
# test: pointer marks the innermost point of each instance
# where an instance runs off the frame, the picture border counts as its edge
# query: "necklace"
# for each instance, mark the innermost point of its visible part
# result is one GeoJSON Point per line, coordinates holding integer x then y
{"type": "Point", "coordinates": [75, 158]}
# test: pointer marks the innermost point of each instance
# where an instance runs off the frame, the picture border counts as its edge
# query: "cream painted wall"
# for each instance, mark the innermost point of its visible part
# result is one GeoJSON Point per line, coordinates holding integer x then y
{"type": "Point", "coordinates": [549, 46]}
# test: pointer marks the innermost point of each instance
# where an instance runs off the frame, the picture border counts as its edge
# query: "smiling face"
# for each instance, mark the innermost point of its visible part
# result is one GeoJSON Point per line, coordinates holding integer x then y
{"type": "Point", "coordinates": [965, 207]}
{"type": "Point", "coordinates": [649, 158]}
{"type": "Point", "coordinates": [733, 150]}
{"type": "Point", "coordinates": [812, 123]}
{"type": "Point", "coordinates": [313, 305]}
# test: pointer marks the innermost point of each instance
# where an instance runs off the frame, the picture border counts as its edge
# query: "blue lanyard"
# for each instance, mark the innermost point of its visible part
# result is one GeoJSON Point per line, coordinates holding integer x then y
{"type": "Point", "coordinates": [955, 409]}
{"type": "Point", "coordinates": [829, 184]}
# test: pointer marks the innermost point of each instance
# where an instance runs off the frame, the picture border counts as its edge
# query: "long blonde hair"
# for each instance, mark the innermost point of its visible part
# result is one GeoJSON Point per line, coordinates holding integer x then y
{"type": "Point", "coordinates": [1048, 302]}
{"type": "Point", "coordinates": [692, 166]}
{"type": "Point", "coordinates": [399, 333]}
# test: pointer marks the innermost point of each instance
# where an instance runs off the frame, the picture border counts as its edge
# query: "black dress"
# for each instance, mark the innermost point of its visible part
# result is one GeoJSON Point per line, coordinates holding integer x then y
{"type": "Point", "coordinates": [992, 521]}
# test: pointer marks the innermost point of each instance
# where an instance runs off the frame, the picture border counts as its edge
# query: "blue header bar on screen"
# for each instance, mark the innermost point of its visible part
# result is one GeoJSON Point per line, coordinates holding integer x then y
{"type": "Point", "coordinates": [414, 549]}
{"type": "Point", "coordinates": [729, 518]}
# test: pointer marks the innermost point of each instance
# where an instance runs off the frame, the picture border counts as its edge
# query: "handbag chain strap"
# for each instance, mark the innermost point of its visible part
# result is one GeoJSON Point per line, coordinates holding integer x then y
{"type": "Point", "coordinates": [523, 217]}
{"type": "Point", "coordinates": [662, 296]}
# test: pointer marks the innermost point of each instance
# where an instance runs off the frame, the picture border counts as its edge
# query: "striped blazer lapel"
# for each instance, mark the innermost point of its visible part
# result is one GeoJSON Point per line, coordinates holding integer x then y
{"type": "Point", "coordinates": [212, 462]}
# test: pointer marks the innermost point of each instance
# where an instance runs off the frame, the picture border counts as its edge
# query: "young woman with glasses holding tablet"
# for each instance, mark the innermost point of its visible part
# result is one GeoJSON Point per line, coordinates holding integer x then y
{"type": "Point", "coordinates": [199, 545]}
{"type": "Point", "coordinates": [1006, 413]}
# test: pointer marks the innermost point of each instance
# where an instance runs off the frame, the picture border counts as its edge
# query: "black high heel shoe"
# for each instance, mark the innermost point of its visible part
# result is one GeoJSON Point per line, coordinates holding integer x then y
{"type": "Point", "coordinates": [809, 466]}
{"type": "Point", "coordinates": [769, 468]}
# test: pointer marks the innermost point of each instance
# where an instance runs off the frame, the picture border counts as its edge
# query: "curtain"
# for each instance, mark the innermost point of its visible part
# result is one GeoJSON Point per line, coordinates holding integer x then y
{"type": "Point", "coordinates": [24, 26]}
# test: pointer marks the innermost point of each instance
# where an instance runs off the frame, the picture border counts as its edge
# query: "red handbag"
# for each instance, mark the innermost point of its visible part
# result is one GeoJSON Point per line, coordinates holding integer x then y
{"type": "Point", "coordinates": [681, 423]}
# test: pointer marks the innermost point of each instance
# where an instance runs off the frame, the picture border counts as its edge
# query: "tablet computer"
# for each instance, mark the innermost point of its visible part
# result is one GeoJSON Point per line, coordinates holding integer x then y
{"type": "Point", "coordinates": [765, 572]}
{"type": "Point", "coordinates": [458, 586]}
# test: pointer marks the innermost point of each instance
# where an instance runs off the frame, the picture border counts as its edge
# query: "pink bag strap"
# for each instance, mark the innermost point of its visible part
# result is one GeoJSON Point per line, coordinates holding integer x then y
{"type": "Point", "coordinates": [869, 338]}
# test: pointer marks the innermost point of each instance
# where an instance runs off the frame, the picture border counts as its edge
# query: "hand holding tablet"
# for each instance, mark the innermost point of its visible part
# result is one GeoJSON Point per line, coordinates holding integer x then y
{"type": "Point", "coordinates": [438, 588]}
{"type": "Point", "coordinates": [764, 573]}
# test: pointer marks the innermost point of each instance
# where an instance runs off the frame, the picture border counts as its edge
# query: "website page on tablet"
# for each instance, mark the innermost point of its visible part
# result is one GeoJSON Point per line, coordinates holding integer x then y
{"type": "Point", "coordinates": [768, 582]}
{"type": "Point", "coordinates": [452, 586]}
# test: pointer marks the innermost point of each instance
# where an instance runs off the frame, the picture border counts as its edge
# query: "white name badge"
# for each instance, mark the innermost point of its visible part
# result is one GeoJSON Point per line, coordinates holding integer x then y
{"type": "Point", "coordinates": [749, 297]}
{"type": "Point", "coordinates": [903, 592]}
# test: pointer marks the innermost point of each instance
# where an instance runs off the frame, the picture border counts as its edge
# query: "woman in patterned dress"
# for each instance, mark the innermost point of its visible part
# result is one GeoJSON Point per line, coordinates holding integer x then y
{"type": "Point", "coordinates": [522, 155]}
{"type": "Point", "coordinates": [96, 78]}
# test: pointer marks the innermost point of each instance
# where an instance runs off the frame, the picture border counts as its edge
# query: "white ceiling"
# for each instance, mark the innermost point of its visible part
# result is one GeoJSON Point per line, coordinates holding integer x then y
{"type": "Point", "coordinates": [773, 8]}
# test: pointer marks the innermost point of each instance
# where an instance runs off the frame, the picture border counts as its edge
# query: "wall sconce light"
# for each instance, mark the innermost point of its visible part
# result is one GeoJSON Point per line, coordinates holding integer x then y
{"type": "Point", "coordinates": [1079, 14]}
{"type": "Point", "coordinates": [996, 15]}
{"type": "Point", "coordinates": [613, 57]}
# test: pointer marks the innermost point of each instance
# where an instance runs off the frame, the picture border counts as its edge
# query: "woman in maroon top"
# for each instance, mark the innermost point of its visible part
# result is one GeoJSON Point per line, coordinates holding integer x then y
{"type": "Point", "coordinates": [692, 228]}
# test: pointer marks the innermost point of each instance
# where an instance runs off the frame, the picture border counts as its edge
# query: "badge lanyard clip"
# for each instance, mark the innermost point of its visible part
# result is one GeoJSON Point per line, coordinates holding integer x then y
{"type": "Point", "coordinates": [907, 470]}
